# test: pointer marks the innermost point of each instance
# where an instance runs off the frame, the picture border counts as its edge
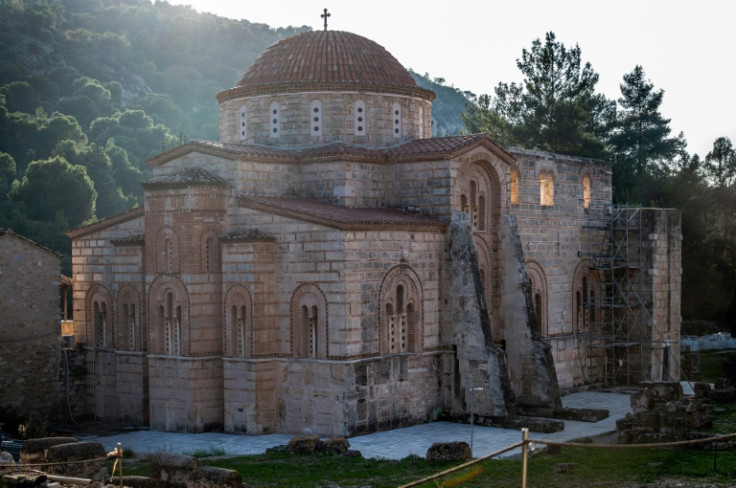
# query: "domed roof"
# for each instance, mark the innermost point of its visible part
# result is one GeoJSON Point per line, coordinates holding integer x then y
{"type": "Point", "coordinates": [325, 60]}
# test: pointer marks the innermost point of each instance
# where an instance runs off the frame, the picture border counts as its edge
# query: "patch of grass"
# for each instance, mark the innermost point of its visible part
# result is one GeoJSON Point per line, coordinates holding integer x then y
{"type": "Point", "coordinates": [311, 471]}
{"type": "Point", "coordinates": [724, 422]}
{"type": "Point", "coordinates": [711, 364]}
{"type": "Point", "coordinates": [595, 467]}
{"type": "Point", "coordinates": [209, 452]}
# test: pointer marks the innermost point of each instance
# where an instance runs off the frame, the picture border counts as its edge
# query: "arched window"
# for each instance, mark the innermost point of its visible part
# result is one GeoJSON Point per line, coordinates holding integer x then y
{"type": "Point", "coordinates": [98, 304]}
{"type": "Point", "coordinates": [360, 118]}
{"type": "Point", "coordinates": [586, 302]}
{"type": "Point", "coordinates": [546, 189]}
{"type": "Point", "coordinates": [210, 252]}
{"type": "Point", "coordinates": [169, 256]}
{"type": "Point", "coordinates": [538, 287]}
{"type": "Point", "coordinates": [274, 115]}
{"type": "Point", "coordinates": [316, 118]}
{"type": "Point", "coordinates": [400, 323]}
{"type": "Point", "coordinates": [586, 192]}
{"type": "Point", "coordinates": [421, 122]}
{"type": "Point", "coordinates": [127, 325]}
{"type": "Point", "coordinates": [238, 323]}
{"type": "Point", "coordinates": [474, 203]}
{"type": "Point", "coordinates": [166, 251]}
{"type": "Point", "coordinates": [242, 125]}
{"type": "Point", "coordinates": [514, 187]}
{"type": "Point", "coordinates": [168, 307]}
{"type": "Point", "coordinates": [100, 320]}
{"type": "Point", "coordinates": [478, 195]}
{"type": "Point", "coordinates": [170, 316]}
{"type": "Point", "coordinates": [131, 327]}
{"type": "Point", "coordinates": [309, 323]}
{"type": "Point", "coordinates": [396, 117]}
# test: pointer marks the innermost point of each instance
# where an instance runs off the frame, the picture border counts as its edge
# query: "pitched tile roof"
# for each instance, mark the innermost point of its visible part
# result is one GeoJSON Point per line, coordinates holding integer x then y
{"type": "Point", "coordinates": [444, 148]}
{"type": "Point", "coordinates": [341, 217]}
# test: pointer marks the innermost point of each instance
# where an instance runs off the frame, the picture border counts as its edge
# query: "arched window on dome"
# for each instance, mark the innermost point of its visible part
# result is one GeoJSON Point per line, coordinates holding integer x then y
{"type": "Point", "coordinates": [396, 118]}
{"type": "Point", "coordinates": [242, 127]}
{"type": "Point", "coordinates": [360, 118]}
{"type": "Point", "coordinates": [315, 113]}
{"type": "Point", "coordinates": [274, 115]}
{"type": "Point", "coordinates": [421, 122]}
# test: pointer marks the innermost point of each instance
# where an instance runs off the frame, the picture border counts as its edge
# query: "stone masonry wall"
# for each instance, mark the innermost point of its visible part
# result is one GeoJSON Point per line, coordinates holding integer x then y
{"type": "Point", "coordinates": [558, 239]}
{"type": "Point", "coordinates": [30, 334]}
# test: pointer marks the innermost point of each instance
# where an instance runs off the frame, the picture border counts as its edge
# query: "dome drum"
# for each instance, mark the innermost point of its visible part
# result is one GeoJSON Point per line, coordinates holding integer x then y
{"type": "Point", "coordinates": [313, 118]}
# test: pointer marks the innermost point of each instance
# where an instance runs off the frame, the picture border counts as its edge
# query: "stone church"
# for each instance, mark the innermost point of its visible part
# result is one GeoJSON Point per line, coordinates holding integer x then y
{"type": "Point", "coordinates": [328, 267]}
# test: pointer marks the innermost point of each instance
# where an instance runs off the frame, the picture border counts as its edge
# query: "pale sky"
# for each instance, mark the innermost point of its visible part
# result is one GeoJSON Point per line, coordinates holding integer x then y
{"type": "Point", "coordinates": [685, 48]}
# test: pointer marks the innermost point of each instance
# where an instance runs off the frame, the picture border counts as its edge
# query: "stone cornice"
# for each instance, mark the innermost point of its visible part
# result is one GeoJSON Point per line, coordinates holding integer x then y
{"type": "Point", "coordinates": [276, 89]}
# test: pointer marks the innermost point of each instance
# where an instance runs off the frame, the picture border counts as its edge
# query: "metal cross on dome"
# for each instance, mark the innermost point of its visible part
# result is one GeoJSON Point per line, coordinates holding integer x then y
{"type": "Point", "coordinates": [324, 16]}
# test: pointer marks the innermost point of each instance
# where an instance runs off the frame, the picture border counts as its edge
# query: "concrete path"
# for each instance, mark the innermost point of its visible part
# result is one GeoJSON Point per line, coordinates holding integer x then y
{"type": "Point", "coordinates": [393, 444]}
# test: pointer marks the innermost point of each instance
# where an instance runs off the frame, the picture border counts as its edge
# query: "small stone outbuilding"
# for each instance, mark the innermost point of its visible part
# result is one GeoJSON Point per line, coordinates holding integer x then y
{"type": "Point", "coordinates": [29, 326]}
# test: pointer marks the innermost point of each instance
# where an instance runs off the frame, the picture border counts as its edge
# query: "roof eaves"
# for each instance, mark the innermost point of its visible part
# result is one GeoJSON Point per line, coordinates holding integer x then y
{"type": "Point", "coordinates": [105, 223]}
{"type": "Point", "coordinates": [11, 233]}
{"type": "Point", "coordinates": [232, 152]}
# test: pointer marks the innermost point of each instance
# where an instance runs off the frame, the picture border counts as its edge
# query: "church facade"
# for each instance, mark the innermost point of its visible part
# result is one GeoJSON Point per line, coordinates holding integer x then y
{"type": "Point", "coordinates": [328, 267]}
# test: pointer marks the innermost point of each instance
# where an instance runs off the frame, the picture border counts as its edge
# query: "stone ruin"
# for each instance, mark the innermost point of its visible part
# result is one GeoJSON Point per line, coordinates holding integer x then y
{"type": "Point", "coordinates": [661, 413]}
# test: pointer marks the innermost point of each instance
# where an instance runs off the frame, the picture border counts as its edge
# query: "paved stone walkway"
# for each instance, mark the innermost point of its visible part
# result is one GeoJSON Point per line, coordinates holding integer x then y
{"type": "Point", "coordinates": [393, 444]}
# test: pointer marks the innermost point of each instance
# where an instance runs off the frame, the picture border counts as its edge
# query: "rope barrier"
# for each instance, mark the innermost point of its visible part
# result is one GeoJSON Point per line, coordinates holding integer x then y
{"type": "Point", "coordinates": [524, 444]}
{"type": "Point", "coordinates": [637, 446]}
{"type": "Point", "coordinates": [60, 463]}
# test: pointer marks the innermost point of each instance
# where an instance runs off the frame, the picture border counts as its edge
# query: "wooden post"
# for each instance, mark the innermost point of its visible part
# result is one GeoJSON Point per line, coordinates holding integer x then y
{"type": "Point", "coordinates": [524, 454]}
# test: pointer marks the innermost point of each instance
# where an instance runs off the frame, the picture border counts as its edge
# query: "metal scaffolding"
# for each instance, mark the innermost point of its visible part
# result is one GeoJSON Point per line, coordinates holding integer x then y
{"type": "Point", "coordinates": [623, 333]}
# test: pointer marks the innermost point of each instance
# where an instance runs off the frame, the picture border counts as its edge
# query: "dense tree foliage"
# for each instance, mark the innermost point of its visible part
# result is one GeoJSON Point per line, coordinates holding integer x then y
{"type": "Point", "coordinates": [91, 89]}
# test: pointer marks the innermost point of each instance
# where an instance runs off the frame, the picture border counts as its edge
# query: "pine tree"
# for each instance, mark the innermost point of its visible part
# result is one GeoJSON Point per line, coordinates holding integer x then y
{"type": "Point", "coordinates": [639, 138]}
{"type": "Point", "coordinates": [555, 108]}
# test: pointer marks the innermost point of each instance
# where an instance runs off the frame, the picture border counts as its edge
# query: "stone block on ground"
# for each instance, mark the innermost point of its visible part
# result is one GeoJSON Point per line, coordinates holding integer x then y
{"type": "Point", "coordinates": [449, 451]}
{"type": "Point", "coordinates": [78, 459]}
{"type": "Point", "coordinates": [304, 444]}
{"type": "Point", "coordinates": [34, 450]}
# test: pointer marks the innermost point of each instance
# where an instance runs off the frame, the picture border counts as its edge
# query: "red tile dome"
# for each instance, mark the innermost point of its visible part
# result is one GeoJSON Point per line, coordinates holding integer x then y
{"type": "Point", "coordinates": [322, 61]}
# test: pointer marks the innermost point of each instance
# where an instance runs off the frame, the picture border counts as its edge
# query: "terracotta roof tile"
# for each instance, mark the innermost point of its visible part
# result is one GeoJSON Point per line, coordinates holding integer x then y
{"type": "Point", "coordinates": [326, 56]}
{"type": "Point", "coordinates": [325, 61]}
{"type": "Point", "coordinates": [444, 147]}
{"type": "Point", "coordinates": [340, 216]}
{"type": "Point", "coordinates": [416, 150]}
